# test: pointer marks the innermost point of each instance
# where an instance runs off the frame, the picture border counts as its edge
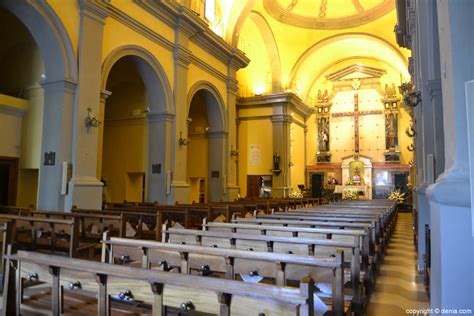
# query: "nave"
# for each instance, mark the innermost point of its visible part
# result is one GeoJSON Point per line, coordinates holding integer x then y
{"type": "Point", "coordinates": [399, 286]}
{"type": "Point", "coordinates": [294, 256]}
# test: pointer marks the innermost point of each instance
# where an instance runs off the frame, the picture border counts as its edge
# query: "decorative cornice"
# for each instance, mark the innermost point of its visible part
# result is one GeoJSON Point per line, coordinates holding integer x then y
{"type": "Point", "coordinates": [282, 119]}
{"type": "Point", "coordinates": [140, 28]}
{"type": "Point", "coordinates": [207, 68]}
{"type": "Point", "coordinates": [179, 17]}
{"type": "Point", "coordinates": [291, 100]}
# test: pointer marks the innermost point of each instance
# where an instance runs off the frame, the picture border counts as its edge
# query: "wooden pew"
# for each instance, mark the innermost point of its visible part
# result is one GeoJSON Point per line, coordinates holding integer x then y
{"type": "Point", "coordinates": [207, 261]}
{"type": "Point", "coordinates": [268, 243]}
{"type": "Point", "coordinates": [54, 235]}
{"type": "Point", "coordinates": [163, 289]}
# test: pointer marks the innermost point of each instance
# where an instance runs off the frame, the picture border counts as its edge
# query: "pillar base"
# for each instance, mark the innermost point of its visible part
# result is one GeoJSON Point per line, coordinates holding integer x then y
{"type": "Point", "coordinates": [280, 192]}
{"type": "Point", "coordinates": [86, 193]}
{"type": "Point", "coordinates": [423, 218]}
{"type": "Point", "coordinates": [232, 193]}
{"type": "Point", "coordinates": [179, 192]}
{"type": "Point", "coordinates": [451, 283]}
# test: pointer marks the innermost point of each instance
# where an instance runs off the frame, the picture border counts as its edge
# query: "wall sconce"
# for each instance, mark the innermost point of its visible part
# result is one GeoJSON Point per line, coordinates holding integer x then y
{"type": "Point", "coordinates": [91, 121]}
{"type": "Point", "coordinates": [410, 131]}
{"type": "Point", "coordinates": [233, 152]}
{"type": "Point", "coordinates": [412, 99]}
{"type": "Point", "coordinates": [183, 141]}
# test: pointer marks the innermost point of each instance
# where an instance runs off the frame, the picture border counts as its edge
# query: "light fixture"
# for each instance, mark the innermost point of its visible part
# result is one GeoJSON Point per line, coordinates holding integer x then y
{"type": "Point", "coordinates": [91, 121]}
{"type": "Point", "coordinates": [411, 97]}
{"type": "Point", "coordinates": [183, 141]}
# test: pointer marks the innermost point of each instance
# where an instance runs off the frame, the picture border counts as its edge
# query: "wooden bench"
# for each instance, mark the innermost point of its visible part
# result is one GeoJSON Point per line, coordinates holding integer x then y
{"type": "Point", "coordinates": [162, 289]}
{"type": "Point", "coordinates": [53, 235]}
{"type": "Point", "coordinates": [218, 262]}
{"type": "Point", "coordinates": [268, 243]}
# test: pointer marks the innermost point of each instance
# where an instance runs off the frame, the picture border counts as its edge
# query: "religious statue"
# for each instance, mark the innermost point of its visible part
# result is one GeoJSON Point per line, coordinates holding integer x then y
{"type": "Point", "coordinates": [320, 96]}
{"type": "Point", "coordinates": [356, 178]}
{"type": "Point", "coordinates": [391, 132]}
{"type": "Point", "coordinates": [326, 96]}
{"type": "Point", "coordinates": [323, 145]}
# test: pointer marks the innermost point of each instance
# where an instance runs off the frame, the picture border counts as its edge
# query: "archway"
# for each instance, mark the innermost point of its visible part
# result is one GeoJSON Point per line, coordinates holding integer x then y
{"type": "Point", "coordinates": [136, 118]}
{"type": "Point", "coordinates": [38, 71]}
{"type": "Point", "coordinates": [207, 138]}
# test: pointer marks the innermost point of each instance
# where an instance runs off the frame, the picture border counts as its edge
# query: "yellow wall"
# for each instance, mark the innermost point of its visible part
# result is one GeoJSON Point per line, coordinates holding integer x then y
{"type": "Point", "coordinates": [297, 156]}
{"type": "Point", "coordinates": [256, 133]}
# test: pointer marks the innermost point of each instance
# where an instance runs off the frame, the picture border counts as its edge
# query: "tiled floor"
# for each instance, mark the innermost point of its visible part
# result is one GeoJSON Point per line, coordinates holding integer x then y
{"type": "Point", "coordinates": [398, 286]}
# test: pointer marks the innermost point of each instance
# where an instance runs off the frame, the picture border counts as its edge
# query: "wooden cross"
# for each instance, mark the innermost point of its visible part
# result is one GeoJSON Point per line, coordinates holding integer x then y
{"type": "Point", "coordinates": [356, 114]}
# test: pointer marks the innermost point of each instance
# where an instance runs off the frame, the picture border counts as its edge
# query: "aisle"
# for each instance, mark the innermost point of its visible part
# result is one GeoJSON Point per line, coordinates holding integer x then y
{"type": "Point", "coordinates": [398, 286]}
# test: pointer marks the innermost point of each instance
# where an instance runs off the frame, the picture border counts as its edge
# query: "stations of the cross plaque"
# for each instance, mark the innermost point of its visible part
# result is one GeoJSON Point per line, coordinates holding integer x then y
{"type": "Point", "coordinates": [356, 115]}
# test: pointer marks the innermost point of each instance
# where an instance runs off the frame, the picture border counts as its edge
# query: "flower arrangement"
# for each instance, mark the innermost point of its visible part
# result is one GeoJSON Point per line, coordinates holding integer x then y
{"type": "Point", "coordinates": [295, 195]}
{"type": "Point", "coordinates": [350, 194]}
{"type": "Point", "coordinates": [397, 196]}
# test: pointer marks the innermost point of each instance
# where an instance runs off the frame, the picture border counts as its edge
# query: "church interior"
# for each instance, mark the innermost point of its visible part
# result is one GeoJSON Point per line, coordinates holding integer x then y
{"type": "Point", "coordinates": [236, 156]}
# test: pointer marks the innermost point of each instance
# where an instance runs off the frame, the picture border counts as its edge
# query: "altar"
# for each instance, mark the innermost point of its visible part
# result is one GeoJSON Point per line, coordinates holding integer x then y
{"type": "Point", "coordinates": [360, 188]}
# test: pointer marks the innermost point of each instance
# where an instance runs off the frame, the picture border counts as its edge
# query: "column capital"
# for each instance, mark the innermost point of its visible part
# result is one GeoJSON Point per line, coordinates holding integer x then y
{"type": "Point", "coordinates": [160, 117]}
{"type": "Point", "coordinates": [217, 134]}
{"type": "Point", "coordinates": [181, 55]}
{"type": "Point", "coordinates": [64, 85]}
{"type": "Point", "coordinates": [232, 85]}
{"type": "Point", "coordinates": [104, 95]}
{"type": "Point", "coordinates": [282, 119]}
{"type": "Point", "coordinates": [94, 10]}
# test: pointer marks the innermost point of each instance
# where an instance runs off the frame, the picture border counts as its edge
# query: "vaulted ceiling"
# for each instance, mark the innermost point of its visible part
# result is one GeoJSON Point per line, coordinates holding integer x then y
{"type": "Point", "coordinates": [294, 44]}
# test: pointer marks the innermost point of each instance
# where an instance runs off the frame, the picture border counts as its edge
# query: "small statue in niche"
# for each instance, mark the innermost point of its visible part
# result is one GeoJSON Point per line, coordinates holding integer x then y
{"type": "Point", "coordinates": [391, 132]}
{"type": "Point", "coordinates": [320, 96]}
{"type": "Point", "coordinates": [356, 178]}
{"type": "Point", "coordinates": [276, 162]}
{"type": "Point", "coordinates": [323, 135]}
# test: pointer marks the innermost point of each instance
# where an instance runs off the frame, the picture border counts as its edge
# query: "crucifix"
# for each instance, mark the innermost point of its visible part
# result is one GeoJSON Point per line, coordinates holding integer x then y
{"type": "Point", "coordinates": [356, 115]}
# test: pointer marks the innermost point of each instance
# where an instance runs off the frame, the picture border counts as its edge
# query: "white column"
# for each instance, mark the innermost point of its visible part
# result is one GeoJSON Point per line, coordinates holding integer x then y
{"type": "Point", "coordinates": [85, 187]}
{"type": "Point", "coordinates": [159, 153]}
{"type": "Point", "coordinates": [449, 197]}
{"type": "Point", "coordinates": [56, 139]}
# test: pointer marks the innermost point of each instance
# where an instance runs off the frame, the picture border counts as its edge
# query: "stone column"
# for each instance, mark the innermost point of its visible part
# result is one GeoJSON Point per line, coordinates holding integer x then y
{"type": "Point", "coordinates": [449, 198]}
{"type": "Point", "coordinates": [217, 172]}
{"type": "Point", "coordinates": [281, 183]}
{"type": "Point", "coordinates": [56, 139]}
{"type": "Point", "coordinates": [232, 189]}
{"type": "Point", "coordinates": [159, 153]}
{"type": "Point", "coordinates": [179, 185]}
{"type": "Point", "coordinates": [86, 189]}
{"type": "Point", "coordinates": [104, 94]}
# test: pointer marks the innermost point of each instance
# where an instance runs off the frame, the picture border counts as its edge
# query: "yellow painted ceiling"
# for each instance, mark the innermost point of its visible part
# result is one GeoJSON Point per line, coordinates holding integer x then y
{"type": "Point", "coordinates": [294, 44]}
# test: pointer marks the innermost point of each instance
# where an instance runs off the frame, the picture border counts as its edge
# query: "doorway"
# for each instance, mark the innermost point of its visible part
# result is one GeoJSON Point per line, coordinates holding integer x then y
{"type": "Point", "coordinates": [317, 181]}
{"type": "Point", "coordinates": [259, 186]}
{"type": "Point", "coordinates": [8, 180]}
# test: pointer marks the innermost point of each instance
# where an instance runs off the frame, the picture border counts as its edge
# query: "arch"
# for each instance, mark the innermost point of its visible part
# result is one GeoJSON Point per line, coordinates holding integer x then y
{"type": "Point", "coordinates": [50, 35]}
{"type": "Point", "coordinates": [270, 43]}
{"type": "Point", "coordinates": [340, 37]}
{"type": "Point", "coordinates": [150, 70]}
{"type": "Point", "coordinates": [235, 32]}
{"type": "Point", "coordinates": [217, 119]}
{"type": "Point", "coordinates": [326, 68]}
